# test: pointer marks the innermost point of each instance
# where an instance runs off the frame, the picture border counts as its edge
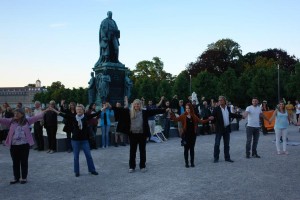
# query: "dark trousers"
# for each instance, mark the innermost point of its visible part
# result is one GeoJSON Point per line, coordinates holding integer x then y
{"type": "Point", "coordinates": [3, 135]}
{"type": "Point", "coordinates": [51, 133]}
{"type": "Point", "coordinates": [19, 155]}
{"type": "Point", "coordinates": [252, 133]}
{"type": "Point", "coordinates": [69, 145]}
{"type": "Point", "coordinates": [38, 135]}
{"type": "Point", "coordinates": [92, 136]}
{"type": "Point", "coordinates": [189, 147]}
{"type": "Point", "coordinates": [226, 140]}
{"type": "Point", "coordinates": [167, 127]}
{"type": "Point", "coordinates": [138, 139]}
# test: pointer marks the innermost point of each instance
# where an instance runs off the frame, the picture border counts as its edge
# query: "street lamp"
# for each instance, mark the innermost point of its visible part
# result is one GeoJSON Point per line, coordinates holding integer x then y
{"type": "Point", "coordinates": [278, 83]}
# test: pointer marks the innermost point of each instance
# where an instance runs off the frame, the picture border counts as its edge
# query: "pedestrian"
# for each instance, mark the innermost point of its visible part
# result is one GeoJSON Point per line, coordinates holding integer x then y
{"type": "Point", "coordinates": [189, 123]}
{"type": "Point", "coordinates": [253, 113]}
{"type": "Point", "coordinates": [38, 127]}
{"type": "Point", "coordinates": [105, 123]}
{"type": "Point", "coordinates": [50, 124]}
{"type": "Point", "coordinates": [19, 140]}
{"type": "Point", "coordinates": [80, 137]}
{"type": "Point", "coordinates": [92, 125]}
{"type": "Point", "coordinates": [138, 129]}
{"type": "Point", "coordinates": [221, 117]}
{"type": "Point", "coordinates": [281, 124]}
{"type": "Point", "coordinates": [70, 110]}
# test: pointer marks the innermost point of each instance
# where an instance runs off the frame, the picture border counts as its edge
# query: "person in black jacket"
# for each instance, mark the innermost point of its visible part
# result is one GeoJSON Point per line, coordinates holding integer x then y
{"type": "Point", "coordinates": [135, 122]}
{"type": "Point", "coordinates": [6, 113]}
{"type": "Point", "coordinates": [222, 115]}
{"type": "Point", "coordinates": [68, 124]}
{"type": "Point", "coordinates": [50, 124]}
{"type": "Point", "coordinates": [80, 137]}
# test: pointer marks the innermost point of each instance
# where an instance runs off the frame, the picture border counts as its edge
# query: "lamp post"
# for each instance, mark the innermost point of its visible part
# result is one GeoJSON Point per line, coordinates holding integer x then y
{"type": "Point", "coordinates": [278, 83]}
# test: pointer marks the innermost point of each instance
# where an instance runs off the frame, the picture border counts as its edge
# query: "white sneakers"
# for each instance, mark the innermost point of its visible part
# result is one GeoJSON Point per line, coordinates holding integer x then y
{"type": "Point", "coordinates": [143, 170]}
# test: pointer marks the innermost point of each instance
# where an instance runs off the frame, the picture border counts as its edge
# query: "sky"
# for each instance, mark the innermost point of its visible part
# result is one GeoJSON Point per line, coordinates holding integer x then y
{"type": "Point", "coordinates": [57, 40]}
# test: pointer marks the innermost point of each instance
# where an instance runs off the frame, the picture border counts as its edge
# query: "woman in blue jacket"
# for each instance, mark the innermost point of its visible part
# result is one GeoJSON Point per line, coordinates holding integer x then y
{"type": "Point", "coordinates": [105, 123]}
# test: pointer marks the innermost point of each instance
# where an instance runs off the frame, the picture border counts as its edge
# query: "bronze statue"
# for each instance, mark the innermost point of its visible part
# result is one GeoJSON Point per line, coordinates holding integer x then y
{"type": "Point", "coordinates": [109, 35]}
{"type": "Point", "coordinates": [128, 85]}
{"type": "Point", "coordinates": [92, 89]}
{"type": "Point", "coordinates": [103, 81]}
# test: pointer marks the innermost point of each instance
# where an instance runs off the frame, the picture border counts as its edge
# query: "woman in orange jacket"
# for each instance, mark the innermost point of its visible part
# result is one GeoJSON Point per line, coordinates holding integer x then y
{"type": "Point", "coordinates": [190, 124]}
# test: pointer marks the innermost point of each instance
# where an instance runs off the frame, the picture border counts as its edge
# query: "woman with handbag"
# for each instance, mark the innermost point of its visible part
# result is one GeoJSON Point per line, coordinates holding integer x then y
{"type": "Point", "coordinates": [190, 124]}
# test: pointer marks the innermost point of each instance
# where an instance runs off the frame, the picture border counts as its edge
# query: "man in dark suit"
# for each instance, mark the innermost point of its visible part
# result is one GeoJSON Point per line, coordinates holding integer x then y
{"type": "Point", "coordinates": [222, 115]}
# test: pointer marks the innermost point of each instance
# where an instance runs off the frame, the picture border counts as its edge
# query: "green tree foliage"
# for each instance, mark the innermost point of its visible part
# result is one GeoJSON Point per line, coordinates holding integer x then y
{"type": "Point", "coordinates": [229, 86]}
{"type": "Point", "coordinates": [286, 62]}
{"type": "Point", "coordinates": [181, 85]}
{"type": "Point", "coordinates": [150, 80]}
{"type": "Point", "coordinates": [217, 58]}
{"type": "Point", "coordinates": [57, 92]}
{"type": "Point", "coordinates": [205, 84]}
{"type": "Point", "coordinates": [291, 87]}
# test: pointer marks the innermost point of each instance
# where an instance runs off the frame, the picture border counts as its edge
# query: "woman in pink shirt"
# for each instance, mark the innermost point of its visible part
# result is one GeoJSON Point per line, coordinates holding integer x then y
{"type": "Point", "coordinates": [19, 140]}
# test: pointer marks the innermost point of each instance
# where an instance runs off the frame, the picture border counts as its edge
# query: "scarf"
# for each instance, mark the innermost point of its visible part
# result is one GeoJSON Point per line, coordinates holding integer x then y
{"type": "Point", "coordinates": [79, 118]}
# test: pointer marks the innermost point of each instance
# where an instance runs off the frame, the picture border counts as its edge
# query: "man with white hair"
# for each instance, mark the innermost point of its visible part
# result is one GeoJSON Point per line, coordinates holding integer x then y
{"type": "Point", "coordinates": [38, 127]}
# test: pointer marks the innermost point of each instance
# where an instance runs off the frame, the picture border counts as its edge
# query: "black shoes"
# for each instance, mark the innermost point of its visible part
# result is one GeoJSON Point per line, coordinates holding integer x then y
{"type": "Point", "coordinates": [255, 156]}
{"type": "Point", "coordinates": [187, 165]}
{"type": "Point", "coordinates": [14, 182]}
{"type": "Point", "coordinates": [229, 160]}
{"type": "Point", "coordinates": [77, 175]}
{"type": "Point", "coordinates": [94, 173]}
{"type": "Point", "coordinates": [247, 156]}
{"type": "Point", "coordinates": [192, 165]}
{"type": "Point", "coordinates": [216, 160]}
{"type": "Point", "coordinates": [23, 181]}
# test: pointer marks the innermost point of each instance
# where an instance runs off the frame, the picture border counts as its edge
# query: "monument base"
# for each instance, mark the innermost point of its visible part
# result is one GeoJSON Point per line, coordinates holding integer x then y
{"type": "Point", "coordinates": [117, 73]}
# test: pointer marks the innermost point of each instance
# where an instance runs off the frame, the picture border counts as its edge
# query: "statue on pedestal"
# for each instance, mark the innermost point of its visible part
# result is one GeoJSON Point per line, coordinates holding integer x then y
{"type": "Point", "coordinates": [103, 81]}
{"type": "Point", "coordinates": [128, 85]}
{"type": "Point", "coordinates": [109, 35]}
{"type": "Point", "coordinates": [92, 89]}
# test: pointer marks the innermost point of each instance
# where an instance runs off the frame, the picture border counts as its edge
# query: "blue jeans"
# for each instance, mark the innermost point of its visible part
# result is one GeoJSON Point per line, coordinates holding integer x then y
{"type": "Point", "coordinates": [105, 135]}
{"type": "Point", "coordinates": [84, 145]}
{"type": "Point", "coordinates": [226, 140]}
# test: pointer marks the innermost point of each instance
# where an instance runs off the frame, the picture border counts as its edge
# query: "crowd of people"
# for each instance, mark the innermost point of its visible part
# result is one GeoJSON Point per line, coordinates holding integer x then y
{"type": "Point", "coordinates": [136, 121]}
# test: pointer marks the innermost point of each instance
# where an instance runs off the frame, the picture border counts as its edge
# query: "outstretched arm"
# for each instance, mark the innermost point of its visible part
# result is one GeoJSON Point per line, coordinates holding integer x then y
{"type": "Point", "coordinates": [273, 116]}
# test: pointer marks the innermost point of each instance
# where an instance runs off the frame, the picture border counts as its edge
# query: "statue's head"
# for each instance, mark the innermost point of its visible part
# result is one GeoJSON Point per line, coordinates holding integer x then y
{"type": "Point", "coordinates": [109, 14]}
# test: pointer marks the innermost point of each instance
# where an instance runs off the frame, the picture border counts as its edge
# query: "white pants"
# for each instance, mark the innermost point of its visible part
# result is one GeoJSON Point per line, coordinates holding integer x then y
{"type": "Point", "coordinates": [283, 133]}
{"type": "Point", "coordinates": [151, 124]}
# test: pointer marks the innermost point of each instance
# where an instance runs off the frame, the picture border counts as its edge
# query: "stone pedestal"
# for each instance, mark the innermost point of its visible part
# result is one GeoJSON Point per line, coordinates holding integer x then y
{"type": "Point", "coordinates": [117, 73]}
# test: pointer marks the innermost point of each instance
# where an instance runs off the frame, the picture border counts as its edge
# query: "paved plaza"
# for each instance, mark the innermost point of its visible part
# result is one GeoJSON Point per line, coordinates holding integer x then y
{"type": "Point", "coordinates": [271, 177]}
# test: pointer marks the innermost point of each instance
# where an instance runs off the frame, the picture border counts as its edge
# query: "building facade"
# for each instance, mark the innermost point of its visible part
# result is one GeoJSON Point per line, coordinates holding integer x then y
{"type": "Point", "coordinates": [25, 95]}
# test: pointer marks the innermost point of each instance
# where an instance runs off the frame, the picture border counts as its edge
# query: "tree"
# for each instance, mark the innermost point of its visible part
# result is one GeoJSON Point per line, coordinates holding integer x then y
{"type": "Point", "coordinates": [205, 84]}
{"type": "Point", "coordinates": [229, 86]}
{"type": "Point", "coordinates": [181, 85]}
{"type": "Point", "coordinates": [217, 58]}
{"type": "Point", "coordinates": [150, 80]}
{"type": "Point", "coordinates": [291, 87]}
{"type": "Point", "coordinates": [285, 61]}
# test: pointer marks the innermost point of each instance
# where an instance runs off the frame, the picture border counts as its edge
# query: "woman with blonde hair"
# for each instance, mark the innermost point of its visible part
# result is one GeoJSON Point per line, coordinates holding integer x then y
{"type": "Point", "coordinates": [138, 129]}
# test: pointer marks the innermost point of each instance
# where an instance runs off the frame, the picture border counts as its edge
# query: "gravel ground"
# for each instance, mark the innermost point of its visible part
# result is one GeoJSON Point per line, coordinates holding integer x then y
{"type": "Point", "coordinates": [270, 177]}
